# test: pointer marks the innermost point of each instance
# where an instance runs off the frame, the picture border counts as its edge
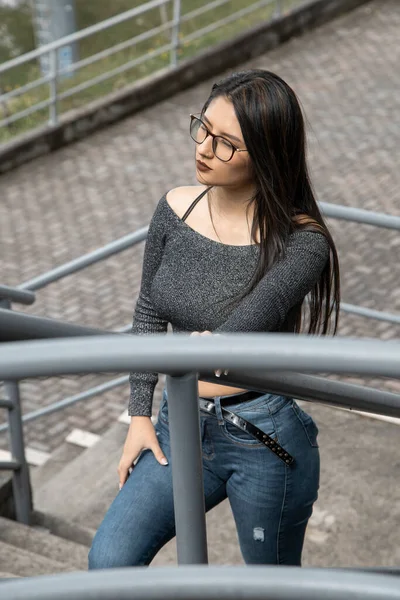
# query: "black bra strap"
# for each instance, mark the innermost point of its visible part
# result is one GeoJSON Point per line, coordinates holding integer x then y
{"type": "Point", "coordinates": [191, 207]}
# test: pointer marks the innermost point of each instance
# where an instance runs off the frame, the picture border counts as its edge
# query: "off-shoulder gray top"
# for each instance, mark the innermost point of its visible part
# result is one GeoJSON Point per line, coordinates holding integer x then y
{"type": "Point", "coordinates": [189, 281]}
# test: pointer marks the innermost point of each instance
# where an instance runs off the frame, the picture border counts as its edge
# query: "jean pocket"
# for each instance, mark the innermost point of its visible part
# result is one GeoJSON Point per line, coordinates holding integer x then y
{"type": "Point", "coordinates": [308, 424]}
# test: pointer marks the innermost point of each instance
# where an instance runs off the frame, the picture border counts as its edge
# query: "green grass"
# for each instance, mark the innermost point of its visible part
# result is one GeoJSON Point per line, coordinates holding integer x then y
{"type": "Point", "coordinates": [92, 11]}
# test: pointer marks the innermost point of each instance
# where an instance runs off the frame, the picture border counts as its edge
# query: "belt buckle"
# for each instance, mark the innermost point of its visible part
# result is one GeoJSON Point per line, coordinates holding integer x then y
{"type": "Point", "coordinates": [208, 406]}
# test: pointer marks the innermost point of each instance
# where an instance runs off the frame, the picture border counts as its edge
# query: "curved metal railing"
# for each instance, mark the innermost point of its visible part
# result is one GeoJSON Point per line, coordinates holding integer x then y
{"type": "Point", "coordinates": [33, 327]}
{"type": "Point", "coordinates": [202, 583]}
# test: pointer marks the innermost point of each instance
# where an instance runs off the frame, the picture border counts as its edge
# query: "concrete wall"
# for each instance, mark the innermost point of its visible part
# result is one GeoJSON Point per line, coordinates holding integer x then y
{"type": "Point", "coordinates": [79, 123]}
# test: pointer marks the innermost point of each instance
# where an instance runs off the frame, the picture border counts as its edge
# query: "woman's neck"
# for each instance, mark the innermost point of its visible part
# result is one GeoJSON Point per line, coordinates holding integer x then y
{"type": "Point", "coordinates": [231, 201]}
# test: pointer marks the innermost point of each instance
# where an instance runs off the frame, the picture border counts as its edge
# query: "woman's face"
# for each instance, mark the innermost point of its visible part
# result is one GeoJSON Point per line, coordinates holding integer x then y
{"type": "Point", "coordinates": [220, 119]}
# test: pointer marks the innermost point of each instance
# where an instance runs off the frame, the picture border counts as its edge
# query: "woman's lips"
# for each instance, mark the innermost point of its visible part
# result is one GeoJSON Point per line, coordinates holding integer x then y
{"type": "Point", "coordinates": [202, 166]}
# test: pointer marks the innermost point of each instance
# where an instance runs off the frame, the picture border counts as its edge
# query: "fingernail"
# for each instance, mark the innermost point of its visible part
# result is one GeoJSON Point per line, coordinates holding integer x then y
{"type": "Point", "coordinates": [164, 461]}
{"type": "Point", "coordinates": [120, 486]}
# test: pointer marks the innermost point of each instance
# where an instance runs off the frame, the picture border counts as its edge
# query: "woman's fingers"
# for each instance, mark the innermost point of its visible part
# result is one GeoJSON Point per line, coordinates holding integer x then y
{"type": "Point", "coordinates": [218, 372]}
{"type": "Point", "coordinates": [124, 470]}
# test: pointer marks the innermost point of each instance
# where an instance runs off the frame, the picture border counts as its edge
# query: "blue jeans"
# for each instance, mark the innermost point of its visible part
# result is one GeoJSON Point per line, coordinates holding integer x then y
{"type": "Point", "coordinates": [271, 502]}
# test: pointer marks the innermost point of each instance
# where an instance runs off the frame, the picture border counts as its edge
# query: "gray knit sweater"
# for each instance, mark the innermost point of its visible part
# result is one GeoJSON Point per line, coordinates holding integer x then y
{"type": "Point", "coordinates": [189, 281]}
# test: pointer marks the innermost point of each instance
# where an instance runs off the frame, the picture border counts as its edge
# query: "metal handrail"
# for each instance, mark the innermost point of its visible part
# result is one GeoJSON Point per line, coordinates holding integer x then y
{"type": "Point", "coordinates": [167, 354]}
{"type": "Point", "coordinates": [78, 264]}
{"type": "Point", "coordinates": [303, 387]}
{"type": "Point", "coordinates": [172, 47]}
{"type": "Point", "coordinates": [360, 215]}
{"type": "Point", "coordinates": [33, 327]}
{"type": "Point", "coordinates": [162, 353]}
{"type": "Point", "coordinates": [336, 211]}
{"type": "Point", "coordinates": [83, 33]}
{"type": "Point", "coordinates": [19, 326]}
{"type": "Point", "coordinates": [16, 295]}
{"type": "Point", "coordinates": [225, 21]}
{"type": "Point", "coordinates": [203, 583]}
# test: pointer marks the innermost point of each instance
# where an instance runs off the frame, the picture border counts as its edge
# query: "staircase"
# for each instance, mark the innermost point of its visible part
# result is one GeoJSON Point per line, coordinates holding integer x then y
{"type": "Point", "coordinates": [71, 494]}
{"type": "Point", "coordinates": [79, 491]}
{"type": "Point", "coordinates": [29, 551]}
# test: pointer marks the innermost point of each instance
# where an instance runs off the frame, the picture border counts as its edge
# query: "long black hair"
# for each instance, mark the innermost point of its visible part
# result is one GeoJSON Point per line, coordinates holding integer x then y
{"type": "Point", "coordinates": [273, 129]}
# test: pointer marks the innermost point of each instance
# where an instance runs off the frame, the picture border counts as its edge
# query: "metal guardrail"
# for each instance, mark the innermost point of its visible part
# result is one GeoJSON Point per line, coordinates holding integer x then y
{"type": "Point", "coordinates": [177, 354]}
{"type": "Point", "coordinates": [167, 354]}
{"type": "Point", "coordinates": [25, 326]}
{"type": "Point", "coordinates": [176, 41]}
{"type": "Point", "coordinates": [9, 294]}
{"type": "Point", "coordinates": [198, 583]}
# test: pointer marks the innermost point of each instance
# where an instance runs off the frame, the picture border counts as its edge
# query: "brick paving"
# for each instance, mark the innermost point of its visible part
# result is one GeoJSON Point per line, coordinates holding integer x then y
{"type": "Point", "coordinates": [83, 196]}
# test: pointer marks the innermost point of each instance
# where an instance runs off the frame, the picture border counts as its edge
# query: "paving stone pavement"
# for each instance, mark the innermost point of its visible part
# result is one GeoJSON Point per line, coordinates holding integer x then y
{"type": "Point", "coordinates": [90, 193]}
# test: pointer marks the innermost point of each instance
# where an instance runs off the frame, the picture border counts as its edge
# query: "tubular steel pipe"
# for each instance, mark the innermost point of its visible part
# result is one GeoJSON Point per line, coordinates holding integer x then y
{"type": "Point", "coordinates": [314, 389]}
{"type": "Point", "coordinates": [208, 583]}
{"type": "Point", "coordinates": [360, 215]}
{"type": "Point", "coordinates": [9, 465]}
{"type": "Point", "coordinates": [20, 326]}
{"type": "Point", "coordinates": [370, 313]}
{"type": "Point", "coordinates": [86, 260]}
{"type": "Point", "coordinates": [297, 385]}
{"type": "Point", "coordinates": [83, 33]}
{"type": "Point", "coordinates": [21, 481]}
{"type": "Point", "coordinates": [187, 469]}
{"type": "Point", "coordinates": [15, 295]}
{"type": "Point", "coordinates": [179, 353]}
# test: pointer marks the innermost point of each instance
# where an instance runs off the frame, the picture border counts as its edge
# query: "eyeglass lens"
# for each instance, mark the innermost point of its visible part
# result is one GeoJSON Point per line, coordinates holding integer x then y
{"type": "Point", "coordinates": [221, 147]}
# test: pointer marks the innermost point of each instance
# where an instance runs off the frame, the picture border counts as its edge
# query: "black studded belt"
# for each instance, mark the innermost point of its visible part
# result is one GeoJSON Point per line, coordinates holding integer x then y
{"type": "Point", "coordinates": [207, 405]}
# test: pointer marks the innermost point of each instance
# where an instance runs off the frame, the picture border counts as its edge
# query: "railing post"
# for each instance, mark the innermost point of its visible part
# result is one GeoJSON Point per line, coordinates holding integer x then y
{"type": "Point", "coordinates": [53, 116]}
{"type": "Point", "coordinates": [175, 33]}
{"type": "Point", "coordinates": [278, 8]}
{"type": "Point", "coordinates": [21, 481]}
{"type": "Point", "coordinates": [187, 469]}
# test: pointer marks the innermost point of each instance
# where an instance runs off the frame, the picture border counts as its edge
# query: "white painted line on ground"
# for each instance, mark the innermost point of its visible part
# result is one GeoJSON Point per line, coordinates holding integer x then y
{"type": "Point", "coordinates": [126, 419]}
{"type": "Point", "coordinates": [36, 458]}
{"type": "Point", "coordinates": [82, 438]}
{"type": "Point", "coordinates": [386, 418]}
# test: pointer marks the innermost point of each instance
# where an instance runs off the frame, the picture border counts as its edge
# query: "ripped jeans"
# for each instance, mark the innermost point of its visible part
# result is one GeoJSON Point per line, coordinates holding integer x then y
{"type": "Point", "coordinates": [271, 502]}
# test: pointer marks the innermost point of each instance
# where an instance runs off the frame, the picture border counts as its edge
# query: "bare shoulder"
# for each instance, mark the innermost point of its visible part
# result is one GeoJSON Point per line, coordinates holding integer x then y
{"type": "Point", "coordinates": [180, 198]}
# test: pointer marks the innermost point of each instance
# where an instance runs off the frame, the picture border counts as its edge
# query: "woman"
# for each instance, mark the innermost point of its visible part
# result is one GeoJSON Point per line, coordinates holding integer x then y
{"type": "Point", "coordinates": [238, 254]}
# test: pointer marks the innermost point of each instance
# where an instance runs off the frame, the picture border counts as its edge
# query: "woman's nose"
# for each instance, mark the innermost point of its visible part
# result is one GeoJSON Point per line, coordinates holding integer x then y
{"type": "Point", "coordinates": [205, 148]}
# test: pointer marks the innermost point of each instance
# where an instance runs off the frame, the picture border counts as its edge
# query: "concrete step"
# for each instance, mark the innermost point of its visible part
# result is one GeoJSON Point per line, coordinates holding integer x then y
{"type": "Point", "coordinates": [58, 460]}
{"type": "Point", "coordinates": [43, 543]}
{"type": "Point", "coordinates": [84, 489]}
{"type": "Point", "coordinates": [82, 492]}
{"type": "Point", "coordinates": [223, 547]}
{"type": "Point", "coordinates": [27, 564]}
{"type": "Point", "coordinates": [64, 529]}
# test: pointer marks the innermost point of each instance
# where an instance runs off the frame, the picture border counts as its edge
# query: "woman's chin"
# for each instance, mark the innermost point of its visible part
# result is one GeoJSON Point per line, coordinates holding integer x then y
{"type": "Point", "coordinates": [203, 178]}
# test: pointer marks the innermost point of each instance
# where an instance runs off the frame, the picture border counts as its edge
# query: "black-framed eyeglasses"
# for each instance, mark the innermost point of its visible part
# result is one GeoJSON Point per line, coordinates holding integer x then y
{"type": "Point", "coordinates": [222, 148]}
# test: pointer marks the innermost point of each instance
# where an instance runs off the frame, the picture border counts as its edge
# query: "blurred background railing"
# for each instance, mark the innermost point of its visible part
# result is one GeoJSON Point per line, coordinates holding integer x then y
{"type": "Point", "coordinates": [123, 49]}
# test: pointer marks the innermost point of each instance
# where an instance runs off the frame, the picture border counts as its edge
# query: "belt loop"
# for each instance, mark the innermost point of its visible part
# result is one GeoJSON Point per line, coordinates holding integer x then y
{"type": "Point", "coordinates": [218, 411]}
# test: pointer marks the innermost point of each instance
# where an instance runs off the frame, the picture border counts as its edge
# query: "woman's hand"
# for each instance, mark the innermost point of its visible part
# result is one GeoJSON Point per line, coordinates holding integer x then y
{"type": "Point", "coordinates": [141, 436]}
{"type": "Point", "coordinates": [218, 372]}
